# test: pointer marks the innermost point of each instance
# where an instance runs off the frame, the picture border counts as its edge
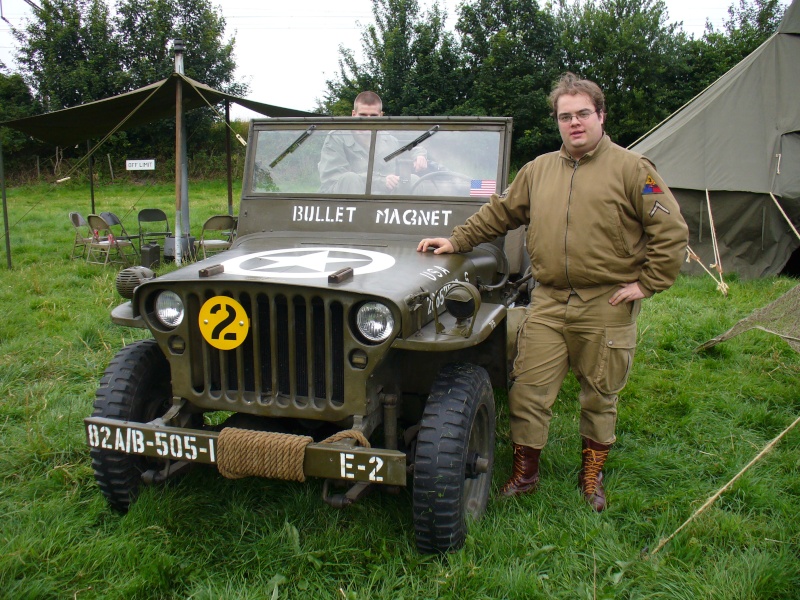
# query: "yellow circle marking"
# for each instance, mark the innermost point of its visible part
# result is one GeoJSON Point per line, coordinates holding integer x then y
{"type": "Point", "coordinates": [223, 322]}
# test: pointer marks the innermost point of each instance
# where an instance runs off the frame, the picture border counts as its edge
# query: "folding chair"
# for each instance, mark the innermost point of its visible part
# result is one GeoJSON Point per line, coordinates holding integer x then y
{"type": "Point", "coordinates": [83, 235]}
{"type": "Point", "coordinates": [153, 226]}
{"type": "Point", "coordinates": [105, 248]}
{"type": "Point", "coordinates": [118, 229]}
{"type": "Point", "coordinates": [217, 234]}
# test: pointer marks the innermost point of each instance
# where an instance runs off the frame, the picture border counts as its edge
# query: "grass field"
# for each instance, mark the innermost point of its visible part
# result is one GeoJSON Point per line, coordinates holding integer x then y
{"type": "Point", "coordinates": [688, 423]}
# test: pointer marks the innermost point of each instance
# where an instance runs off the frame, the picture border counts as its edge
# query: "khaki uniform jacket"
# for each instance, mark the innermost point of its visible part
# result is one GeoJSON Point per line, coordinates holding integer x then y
{"type": "Point", "coordinates": [593, 224]}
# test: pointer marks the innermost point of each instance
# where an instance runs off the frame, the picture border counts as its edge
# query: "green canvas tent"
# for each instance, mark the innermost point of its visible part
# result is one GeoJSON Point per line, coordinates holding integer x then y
{"type": "Point", "coordinates": [738, 144]}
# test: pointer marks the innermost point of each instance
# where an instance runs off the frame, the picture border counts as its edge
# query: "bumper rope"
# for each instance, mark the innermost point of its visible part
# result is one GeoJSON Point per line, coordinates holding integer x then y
{"type": "Point", "coordinates": [247, 453]}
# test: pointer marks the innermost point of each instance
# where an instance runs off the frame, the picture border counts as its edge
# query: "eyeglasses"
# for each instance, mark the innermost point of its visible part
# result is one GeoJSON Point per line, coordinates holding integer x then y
{"type": "Point", "coordinates": [581, 115]}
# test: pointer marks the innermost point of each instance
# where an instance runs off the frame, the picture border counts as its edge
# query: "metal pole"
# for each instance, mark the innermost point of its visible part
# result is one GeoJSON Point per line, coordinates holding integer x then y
{"type": "Point", "coordinates": [91, 173]}
{"type": "Point", "coordinates": [178, 46]}
{"type": "Point", "coordinates": [5, 208]}
{"type": "Point", "coordinates": [228, 155]}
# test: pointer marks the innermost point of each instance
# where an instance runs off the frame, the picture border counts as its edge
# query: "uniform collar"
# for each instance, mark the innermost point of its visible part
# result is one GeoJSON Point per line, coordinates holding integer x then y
{"type": "Point", "coordinates": [602, 145]}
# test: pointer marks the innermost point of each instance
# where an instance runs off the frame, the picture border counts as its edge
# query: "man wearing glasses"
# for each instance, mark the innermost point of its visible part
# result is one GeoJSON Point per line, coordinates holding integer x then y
{"type": "Point", "coordinates": [604, 231]}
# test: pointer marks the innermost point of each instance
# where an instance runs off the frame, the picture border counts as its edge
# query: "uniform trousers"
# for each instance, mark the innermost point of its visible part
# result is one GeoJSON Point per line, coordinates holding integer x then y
{"type": "Point", "coordinates": [594, 339]}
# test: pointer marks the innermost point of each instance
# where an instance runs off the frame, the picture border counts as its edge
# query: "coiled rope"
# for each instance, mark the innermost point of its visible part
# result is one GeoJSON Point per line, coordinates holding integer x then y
{"type": "Point", "coordinates": [245, 453]}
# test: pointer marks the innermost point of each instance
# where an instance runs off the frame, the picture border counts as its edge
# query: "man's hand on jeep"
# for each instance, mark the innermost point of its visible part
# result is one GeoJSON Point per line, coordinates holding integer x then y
{"type": "Point", "coordinates": [392, 182]}
{"type": "Point", "coordinates": [440, 245]}
{"type": "Point", "coordinates": [420, 164]}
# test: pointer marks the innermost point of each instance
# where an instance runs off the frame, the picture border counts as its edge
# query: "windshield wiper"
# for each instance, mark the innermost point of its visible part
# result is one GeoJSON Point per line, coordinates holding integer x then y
{"type": "Point", "coordinates": [413, 144]}
{"type": "Point", "coordinates": [293, 146]}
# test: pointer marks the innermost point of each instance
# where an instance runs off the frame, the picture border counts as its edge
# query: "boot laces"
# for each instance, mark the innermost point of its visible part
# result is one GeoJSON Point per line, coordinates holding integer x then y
{"type": "Point", "coordinates": [519, 458]}
{"type": "Point", "coordinates": [593, 464]}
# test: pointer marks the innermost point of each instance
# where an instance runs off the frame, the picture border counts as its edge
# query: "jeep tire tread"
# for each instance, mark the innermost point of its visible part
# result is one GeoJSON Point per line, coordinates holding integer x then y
{"type": "Point", "coordinates": [457, 427]}
{"type": "Point", "coordinates": [136, 386]}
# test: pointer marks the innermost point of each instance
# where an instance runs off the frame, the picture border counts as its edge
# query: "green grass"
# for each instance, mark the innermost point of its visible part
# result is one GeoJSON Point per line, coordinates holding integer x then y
{"type": "Point", "coordinates": [688, 423]}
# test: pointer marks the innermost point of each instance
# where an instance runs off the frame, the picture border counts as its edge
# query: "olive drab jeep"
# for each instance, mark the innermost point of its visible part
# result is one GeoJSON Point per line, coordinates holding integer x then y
{"type": "Point", "coordinates": [322, 344]}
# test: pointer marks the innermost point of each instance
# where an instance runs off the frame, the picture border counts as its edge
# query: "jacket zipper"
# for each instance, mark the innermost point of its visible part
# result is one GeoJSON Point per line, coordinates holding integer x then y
{"type": "Point", "coordinates": [566, 229]}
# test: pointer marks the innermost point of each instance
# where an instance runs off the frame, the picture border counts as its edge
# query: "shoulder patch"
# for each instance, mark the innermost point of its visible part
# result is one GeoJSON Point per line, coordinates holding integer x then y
{"type": "Point", "coordinates": [651, 187]}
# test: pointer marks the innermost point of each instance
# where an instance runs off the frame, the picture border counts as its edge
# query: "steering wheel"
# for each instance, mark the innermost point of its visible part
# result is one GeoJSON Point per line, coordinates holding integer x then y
{"type": "Point", "coordinates": [444, 181]}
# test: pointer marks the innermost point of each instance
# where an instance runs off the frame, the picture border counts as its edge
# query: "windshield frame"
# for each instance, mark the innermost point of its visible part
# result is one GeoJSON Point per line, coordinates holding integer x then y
{"type": "Point", "coordinates": [419, 125]}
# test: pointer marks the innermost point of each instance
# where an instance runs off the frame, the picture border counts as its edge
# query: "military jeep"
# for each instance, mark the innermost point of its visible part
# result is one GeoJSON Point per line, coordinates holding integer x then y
{"type": "Point", "coordinates": [321, 343]}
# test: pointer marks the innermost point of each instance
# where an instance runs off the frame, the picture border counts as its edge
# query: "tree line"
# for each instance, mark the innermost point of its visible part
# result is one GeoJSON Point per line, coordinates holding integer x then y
{"type": "Point", "coordinates": [500, 58]}
{"type": "Point", "coordinates": [503, 57]}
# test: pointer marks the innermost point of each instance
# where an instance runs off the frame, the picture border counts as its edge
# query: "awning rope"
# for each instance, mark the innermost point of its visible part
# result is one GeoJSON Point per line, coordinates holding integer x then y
{"type": "Point", "coordinates": [211, 106]}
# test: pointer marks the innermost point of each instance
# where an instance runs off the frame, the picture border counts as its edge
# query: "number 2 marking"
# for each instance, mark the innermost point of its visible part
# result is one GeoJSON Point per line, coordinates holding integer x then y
{"type": "Point", "coordinates": [223, 322]}
{"type": "Point", "coordinates": [222, 325]}
{"type": "Point", "coordinates": [375, 460]}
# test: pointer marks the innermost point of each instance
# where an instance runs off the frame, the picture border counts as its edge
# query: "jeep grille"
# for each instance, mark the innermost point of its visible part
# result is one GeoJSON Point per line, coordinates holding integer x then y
{"type": "Point", "coordinates": [292, 356]}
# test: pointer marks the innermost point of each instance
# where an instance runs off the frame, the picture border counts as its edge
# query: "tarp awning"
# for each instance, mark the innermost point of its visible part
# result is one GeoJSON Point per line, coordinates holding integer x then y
{"type": "Point", "coordinates": [96, 119]}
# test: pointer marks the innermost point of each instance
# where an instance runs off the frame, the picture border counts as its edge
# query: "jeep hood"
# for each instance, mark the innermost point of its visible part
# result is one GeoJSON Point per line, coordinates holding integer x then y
{"type": "Point", "coordinates": [391, 269]}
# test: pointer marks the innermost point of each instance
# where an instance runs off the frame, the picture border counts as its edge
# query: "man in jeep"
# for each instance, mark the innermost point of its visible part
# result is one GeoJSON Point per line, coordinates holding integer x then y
{"type": "Point", "coordinates": [344, 160]}
{"type": "Point", "coordinates": [604, 231]}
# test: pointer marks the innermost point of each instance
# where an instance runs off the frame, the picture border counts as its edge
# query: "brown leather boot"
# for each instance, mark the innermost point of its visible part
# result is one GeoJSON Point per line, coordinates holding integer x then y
{"type": "Point", "coordinates": [590, 478]}
{"type": "Point", "coordinates": [525, 474]}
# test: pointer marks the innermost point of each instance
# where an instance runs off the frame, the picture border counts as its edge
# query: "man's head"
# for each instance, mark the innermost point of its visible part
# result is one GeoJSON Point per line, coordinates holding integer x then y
{"type": "Point", "coordinates": [368, 104]}
{"type": "Point", "coordinates": [579, 108]}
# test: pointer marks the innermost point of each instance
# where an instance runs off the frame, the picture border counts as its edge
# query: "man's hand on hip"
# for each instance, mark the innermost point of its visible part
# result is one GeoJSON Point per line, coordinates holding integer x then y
{"type": "Point", "coordinates": [628, 292]}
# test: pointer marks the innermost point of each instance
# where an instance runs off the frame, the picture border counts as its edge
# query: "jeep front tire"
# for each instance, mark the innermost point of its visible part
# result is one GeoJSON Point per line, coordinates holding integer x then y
{"type": "Point", "coordinates": [454, 457]}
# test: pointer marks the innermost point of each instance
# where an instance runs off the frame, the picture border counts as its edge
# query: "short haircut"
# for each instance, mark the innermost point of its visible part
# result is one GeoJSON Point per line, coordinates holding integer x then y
{"type": "Point", "coordinates": [571, 84]}
{"type": "Point", "coordinates": [368, 99]}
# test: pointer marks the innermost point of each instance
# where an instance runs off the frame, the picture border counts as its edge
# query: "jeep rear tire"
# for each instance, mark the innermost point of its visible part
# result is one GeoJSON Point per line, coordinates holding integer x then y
{"type": "Point", "coordinates": [454, 457]}
{"type": "Point", "coordinates": [136, 386]}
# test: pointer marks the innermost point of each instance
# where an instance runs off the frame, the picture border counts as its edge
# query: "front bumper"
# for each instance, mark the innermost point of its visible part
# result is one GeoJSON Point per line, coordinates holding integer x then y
{"type": "Point", "coordinates": [338, 460]}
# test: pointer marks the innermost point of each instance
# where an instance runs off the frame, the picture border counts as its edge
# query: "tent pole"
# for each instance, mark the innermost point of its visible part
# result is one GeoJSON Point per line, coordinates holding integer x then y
{"type": "Point", "coordinates": [228, 155]}
{"type": "Point", "coordinates": [91, 172]}
{"type": "Point", "coordinates": [700, 228]}
{"type": "Point", "coordinates": [178, 167]}
{"type": "Point", "coordinates": [5, 208]}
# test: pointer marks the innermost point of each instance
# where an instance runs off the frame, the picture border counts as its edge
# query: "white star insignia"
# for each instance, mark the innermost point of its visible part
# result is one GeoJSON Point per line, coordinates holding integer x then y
{"type": "Point", "coordinates": [314, 261]}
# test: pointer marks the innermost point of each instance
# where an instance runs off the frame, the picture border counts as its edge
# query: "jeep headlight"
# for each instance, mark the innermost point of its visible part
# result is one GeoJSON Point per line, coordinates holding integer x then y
{"type": "Point", "coordinates": [169, 309]}
{"type": "Point", "coordinates": [374, 321]}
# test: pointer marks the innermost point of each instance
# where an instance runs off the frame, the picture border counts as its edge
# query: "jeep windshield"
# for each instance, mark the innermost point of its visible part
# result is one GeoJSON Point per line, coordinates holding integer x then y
{"type": "Point", "coordinates": [385, 156]}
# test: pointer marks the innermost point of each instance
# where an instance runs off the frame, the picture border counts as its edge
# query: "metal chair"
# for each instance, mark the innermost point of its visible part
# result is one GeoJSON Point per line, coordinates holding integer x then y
{"type": "Point", "coordinates": [105, 248]}
{"type": "Point", "coordinates": [118, 229]}
{"type": "Point", "coordinates": [83, 235]}
{"type": "Point", "coordinates": [153, 226]}
{"type": "Point", "coordinates": [217, 234]}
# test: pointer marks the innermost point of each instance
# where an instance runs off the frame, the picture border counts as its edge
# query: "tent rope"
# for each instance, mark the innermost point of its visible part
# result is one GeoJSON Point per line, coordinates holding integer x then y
{"type": "Point", "coordinates": [717, 258]}
{"type": "Point", "coordinates": [719, 492]}
{"type": "Point", "coordinates": [717, 264]}
{"type": "Point", "coordinates": [691, 255]}
{"type": "Point", "coordinates": [785, 216]}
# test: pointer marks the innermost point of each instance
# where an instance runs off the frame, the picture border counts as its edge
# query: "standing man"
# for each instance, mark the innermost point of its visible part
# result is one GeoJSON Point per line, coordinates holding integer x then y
{"type": "Point", "coordinates": [604, 231]}
{"type": "Point", "coordinates": [345, 155]}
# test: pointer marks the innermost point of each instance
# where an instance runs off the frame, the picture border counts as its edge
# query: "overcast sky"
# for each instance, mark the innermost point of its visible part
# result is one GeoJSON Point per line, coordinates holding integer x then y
{"type": "Point", "coordinates": [285, 53]}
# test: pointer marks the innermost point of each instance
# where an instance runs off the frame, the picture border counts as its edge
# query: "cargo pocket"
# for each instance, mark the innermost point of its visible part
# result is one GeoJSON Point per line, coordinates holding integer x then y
{"type": "Point", "coordinates": [616, 358]}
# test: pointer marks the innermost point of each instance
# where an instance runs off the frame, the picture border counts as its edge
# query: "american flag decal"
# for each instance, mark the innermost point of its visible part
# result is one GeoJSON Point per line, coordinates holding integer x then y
{"type": "Point", "coordinates": [482, 187]}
